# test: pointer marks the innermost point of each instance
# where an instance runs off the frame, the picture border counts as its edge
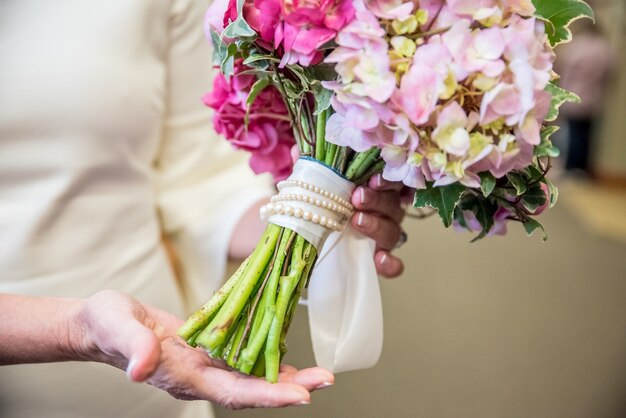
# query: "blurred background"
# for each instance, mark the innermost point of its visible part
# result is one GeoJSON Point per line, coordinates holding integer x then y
{"type": "Point", "coordinates": [511, 327]}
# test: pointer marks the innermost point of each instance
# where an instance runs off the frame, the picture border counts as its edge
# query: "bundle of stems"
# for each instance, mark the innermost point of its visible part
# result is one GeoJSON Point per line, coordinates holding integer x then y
{"type": "Point", "coordinates": [246, 321]}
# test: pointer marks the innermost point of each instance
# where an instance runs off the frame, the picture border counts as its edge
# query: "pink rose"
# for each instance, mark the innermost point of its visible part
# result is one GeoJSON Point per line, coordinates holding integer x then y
{"type": "Point", "coordinates": [267, 136]}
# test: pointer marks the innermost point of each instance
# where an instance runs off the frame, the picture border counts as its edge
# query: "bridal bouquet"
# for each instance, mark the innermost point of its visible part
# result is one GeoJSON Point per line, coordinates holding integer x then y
{"type": "Point", "coordinates": [449, 97]}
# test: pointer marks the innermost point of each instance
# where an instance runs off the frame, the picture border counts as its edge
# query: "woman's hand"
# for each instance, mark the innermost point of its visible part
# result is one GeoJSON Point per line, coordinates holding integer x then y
{"type": "Point", "coordinates": [118, 330]}
{"type": "Point", "coordinates": [378, 215]}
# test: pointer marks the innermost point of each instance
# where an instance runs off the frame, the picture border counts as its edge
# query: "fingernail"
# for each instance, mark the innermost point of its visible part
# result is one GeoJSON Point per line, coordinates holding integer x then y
{"type": "Point", "coordinates": [362, 195]}
{"type": "Point", "coordinates": [384, 259]}
{"type": "Point", "coordinates": [324, 385]}
{"type": "Point", "coordinates": [302, 403]}
{"type": "Point", "coordinates": [379, 180]}
{"type": "Point", "coordinates": [361, 220]}
{"type": "Point", "coordinates": [129, 369]}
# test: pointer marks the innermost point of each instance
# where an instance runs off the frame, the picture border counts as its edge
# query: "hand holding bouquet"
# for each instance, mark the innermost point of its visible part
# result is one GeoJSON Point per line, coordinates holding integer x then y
{"type": "Point", "coordinates": [448, 97]}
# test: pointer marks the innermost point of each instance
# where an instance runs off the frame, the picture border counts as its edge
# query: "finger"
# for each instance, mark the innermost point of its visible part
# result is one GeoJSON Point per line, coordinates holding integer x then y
{"type": "Point", "coordinates": [387, 265]}
{"type": "Point", "coordinates": [312, 378]}
{"type": "Point", "coordinates": [143, 352]}
{"type": "Point", "coordinates": [377, 182]}
{"type": "Point", "coordinates": [295, 153]}
{"type": "Point", "coordinates": [120, 329]}
{"type": "Point", "coordinates": [384, 231]}
{"type": "Point", "coordinates": [386, 203]}
{"type": "Point", "coordinates": [234, 392]}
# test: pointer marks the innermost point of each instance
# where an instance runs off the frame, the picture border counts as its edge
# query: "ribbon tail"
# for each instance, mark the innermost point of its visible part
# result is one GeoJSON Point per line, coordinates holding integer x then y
{"type": "Point", "coordinates": [344, 304]}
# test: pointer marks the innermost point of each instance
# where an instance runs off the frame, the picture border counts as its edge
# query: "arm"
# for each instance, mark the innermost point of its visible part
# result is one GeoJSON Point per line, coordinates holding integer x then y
{"type": "Point", "coordinates": [115, 329]}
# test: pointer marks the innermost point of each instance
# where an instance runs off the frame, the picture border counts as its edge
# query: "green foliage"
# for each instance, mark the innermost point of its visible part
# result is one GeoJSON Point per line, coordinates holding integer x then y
{"type": "Point", "coordinates": [484, 210]}
{"type": "Point", "coordinates": [255, 90]}
{"type": "Point", "coordinates": [322, 98]}
{"type": "Point", "coordinates": [559, 14]}
{"type": "Point", "coordinates": [554, 192]}
{"type": "Point", "coordinates": [559, 96]}
{"type": "Point", "coordinates": [487, 183]}
{"type": "Point", "coordinates": [518, 182]}
{"type": "Point", "coordinates": [444, 199]}
{"type": "Point", "coordinates": [532, 225]}
{"type": "Point", "coordinates": [239, 29]}
{"type": "Point", "coordinates": [534, 198]}
{"type": "Point", "coordinates": [546, 148]}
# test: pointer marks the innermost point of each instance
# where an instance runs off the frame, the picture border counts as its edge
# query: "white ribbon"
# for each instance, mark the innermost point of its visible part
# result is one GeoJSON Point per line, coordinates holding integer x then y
{"type": "Point", "coordinates": [345, 309]}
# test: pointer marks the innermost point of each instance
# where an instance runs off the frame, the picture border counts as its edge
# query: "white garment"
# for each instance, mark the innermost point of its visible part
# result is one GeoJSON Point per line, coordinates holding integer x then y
{"type": "Point", "coordinates": [105, 146]}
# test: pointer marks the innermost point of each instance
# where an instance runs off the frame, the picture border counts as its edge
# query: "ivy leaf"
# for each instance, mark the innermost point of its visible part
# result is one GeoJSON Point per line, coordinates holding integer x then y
{"type": "Point", "coordinates": [531, 225]}
{"type": "Point", "coordinates": [546, 148]}
{"type": "Point", "coordinates": [560, 14]}
{"type": "Point", "coordinates": [518, 182]}
{"type": "Point", "coordinates": [534, 174]}
{"type": "Point", "coordinates": [255, 90]}
{"type": "Point", "coordinates": [559, 96]}
{"type": "Point", "coordinates": [322, 98]}
{"type": "Point", "coordinates": [484, 211]}
{"type": "Point", "coordinates": [460, 218]}
{"type": "Point", "coordinates": [260, 61]}
{"type": "Point", "coordinates": [534, 198]}
{"type": "Point", "coordinates": [554, 192]}
{"type": "Point", "coordinates": [444, 199]}
{"type": "Point", "coordinates": [219, 48]}
{"type": "Point", "coordinates": [239, 28]}
{"type": "Point", "coordinates": [487, 183]}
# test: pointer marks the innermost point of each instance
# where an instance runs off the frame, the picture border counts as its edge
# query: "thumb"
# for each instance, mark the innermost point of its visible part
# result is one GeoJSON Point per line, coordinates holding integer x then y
{"type": "Point", "coordinates": [143, 351]}
{"type": "Point", "coordinates": [295, 153]}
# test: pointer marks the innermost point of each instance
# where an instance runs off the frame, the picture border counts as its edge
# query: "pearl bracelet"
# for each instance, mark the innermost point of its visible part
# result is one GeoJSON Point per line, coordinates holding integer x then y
{"type": "Point", "coordinates": [321, 203]}
{"type": "Point", "coordinates": [280, 209]}
{"type": "Point", "coordinates": [304, 185]}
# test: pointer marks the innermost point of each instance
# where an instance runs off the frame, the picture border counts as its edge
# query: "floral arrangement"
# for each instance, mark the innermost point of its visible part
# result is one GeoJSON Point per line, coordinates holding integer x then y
{"type": "Point", "coordinates": [449, 97]}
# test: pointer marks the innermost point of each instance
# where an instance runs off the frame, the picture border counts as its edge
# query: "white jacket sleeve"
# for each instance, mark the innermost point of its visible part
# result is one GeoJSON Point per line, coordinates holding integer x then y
{"type": "Point", "coordinates": [204, 186]}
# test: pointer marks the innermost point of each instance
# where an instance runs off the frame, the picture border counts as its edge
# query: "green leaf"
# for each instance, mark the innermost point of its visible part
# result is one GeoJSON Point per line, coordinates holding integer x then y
{"type": "Point", "coordinates": [219, 48]}
{"type": "Point", "coordinates": [554, 192]}
{"type": "Point", "coordinates": [559, 96]}
{"type": "Point", "coordinates": [460, 218]}
{"type": "Point", "coordinates": [260, 61]}
{"type": "Point", "coordinates": [534, 198]}
{"type": "Point", "coordinates": [534, 174]}
{"type": "Point", "coordinates": [484, 211]}
{"type": "Point", "coordinates": [518, 181]}
{"type": "Point", "coordinates": [255, 90]}
{"type": "Point", "coordinates": [444, 199]}
{"type": "Point", "coordinates": [487, 183]}
{"type": "Point", "coordinates": [546, 148]}
{"type": "Point", "coordinates": [531, 225]}
{"type": "Point", "coordinates": [322, 99]}
{"type": "Point", "coordinates": [239, 29]}
{"type": "Point", "coordinates": [561, 13]}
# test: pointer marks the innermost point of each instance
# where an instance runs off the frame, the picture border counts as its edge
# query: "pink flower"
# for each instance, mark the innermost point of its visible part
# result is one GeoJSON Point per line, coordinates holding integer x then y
{"type": "Point", "coordinates": [390, 9]}
{"type": "Point", "coordinates": [309, 24]}
{"type": "Point", "coordinates": [265, 20]}
{"type": "Point", "coordinates": [499, 226]}
{"type": "Point", "coordinates": [214, 17]}
{"type": "Point", "coordinates": [419, 92]}
{"type": "Point", "coordinates": [267, 136]}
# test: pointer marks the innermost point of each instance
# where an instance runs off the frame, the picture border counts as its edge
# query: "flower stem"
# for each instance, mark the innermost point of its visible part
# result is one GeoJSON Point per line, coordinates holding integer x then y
{"type": "Point", "coordinates": [287, 285]}
{"type": "Point", "coordinates": [362, 162]}
{"type": "Point", "coordinates": [213, 338]}
{"type": "Point", "coordinates": [310, 255]}
{"type": "Point", "coordinates": [202, 316]}
{"type": "Point", "coordinates": [320, 136]}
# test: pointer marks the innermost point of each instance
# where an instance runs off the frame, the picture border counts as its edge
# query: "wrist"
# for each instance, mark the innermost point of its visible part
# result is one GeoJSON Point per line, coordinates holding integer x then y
{"type": "Point", "coordinates": [78, 341]}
